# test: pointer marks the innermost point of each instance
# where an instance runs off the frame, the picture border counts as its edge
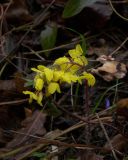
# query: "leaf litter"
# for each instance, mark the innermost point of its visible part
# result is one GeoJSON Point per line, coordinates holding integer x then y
{"type": "Point", "coordinates": [110, 69]}
{"type": "Point", "coordinates": [26, 130]}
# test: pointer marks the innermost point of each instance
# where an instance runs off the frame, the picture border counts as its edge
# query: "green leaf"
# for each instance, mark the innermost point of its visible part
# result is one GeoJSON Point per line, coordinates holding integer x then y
{"type": "Point", "coordinates": [39, 154]}
{"type": "Point", "coordinates": [74, 7]}
{"type": "Point", "coordinates": [84, 47]}
{"type": "Point", "coordinates": [28, 82]}
{"type": "Point", "coordinates": [48, 37]}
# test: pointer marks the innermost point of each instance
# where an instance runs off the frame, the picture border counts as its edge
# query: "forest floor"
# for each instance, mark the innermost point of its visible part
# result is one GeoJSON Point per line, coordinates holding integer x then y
{"type": "Point", "coordinates": [83, 122]}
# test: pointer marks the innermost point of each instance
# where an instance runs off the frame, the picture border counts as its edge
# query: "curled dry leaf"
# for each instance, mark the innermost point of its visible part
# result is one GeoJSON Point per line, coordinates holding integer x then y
{"type": "Point", "coordinates": [110, 69]}
{"type": "Point", "coordinates": [16, 84]}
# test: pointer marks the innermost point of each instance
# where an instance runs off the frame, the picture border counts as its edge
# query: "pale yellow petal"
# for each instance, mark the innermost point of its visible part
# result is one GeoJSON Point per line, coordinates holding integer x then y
{"type": "Point", "coordinates": [74, 68]}
{"type": "Point", "coordinates": [49, 74]}
{"type": "Point", "coordinates": [61, 60]}
{"type": "Point", "coordinates": [35, 70]}
{"type": "Point", "coordinates": [78, 61]}
{"type": "Point", "coordinates": [89, 77]}
{"type": "Point", "coordinates": [53, 87]}
{"type": "Point", "coordinates": [31, 95]}
{"type": "Point", "coordinates": [81, 61]}
{"type": "Point", "coordinates": [68, 77]}
{"type": "Point", "coordinates": [84, 60]}
{"type": "Point", "coordinates": [57, 75]}
{"type": "Point", "coordinates": [74, 53]}
{"type": "Point", "coordinates": [39, 83]}
{"type": "Point", "coordinates": [39, 99]}
{"type": "Point", "coordinates": [62, 63]}
{"type": "Point", "coordinates": [41, 67]}
{"type": "Point", "coordinates": [79, 49]}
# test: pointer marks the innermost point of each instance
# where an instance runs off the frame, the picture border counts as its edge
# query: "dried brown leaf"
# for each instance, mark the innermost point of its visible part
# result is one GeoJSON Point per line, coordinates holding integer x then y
{"type": "Point", "coordinates": [118, 142]}
{"type": "Point", "coordinates": [16, 84]}
{"type": "Point", "coordinates": [33, 125]}
{"type": "Point", "coordinates": [110, 69]}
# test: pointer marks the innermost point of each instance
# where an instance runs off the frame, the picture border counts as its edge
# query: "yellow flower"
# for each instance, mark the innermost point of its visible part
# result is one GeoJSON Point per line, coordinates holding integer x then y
{"type": "Point", "coordinates": [52, 88]}
{"type": "Point", "coordinates": [77, 56]}
{"type": "Point", "coordinates": [32, 95]}
{"type": "Point", "coordinates": [39, 73]}
{"type": "Point", "coordinates": [89, 77]}
{"type": "Point", "coordinates": [48, 74]}
{"type": "Point", "coordinates": [74, 68]}
{"type": "Point", "coordinates": [47, 71]}
{"type": "Point", "coordinates": [57, 75]}
{"type": "Point", "coordinates": [38, 97]}
{"type": "Point", "coordinates": [39, 83]}
{"type": "Point", "coordinates": [41, 67]}
{"type": "Point", "coordinates": [61, 60]}
{"type": "Point", "coordinates": [69, 77]}
{"type": "Point", "coordinates": [63, 63]}
{"type": "Point", "coordinates": [36, 70]}
{"type": "Point", "coordinates": [64, 69]}
{"type": "Point", "coordinates": [81, 61]}
{"type": "Point", "coordinates": [76, 52]}
{"type": "Point", "coordinates": [42, 70]}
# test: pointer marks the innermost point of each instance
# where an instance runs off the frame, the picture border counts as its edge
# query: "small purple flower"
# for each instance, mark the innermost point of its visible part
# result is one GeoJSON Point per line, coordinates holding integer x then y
{"type": "Point", "coordinates": [107, 103]}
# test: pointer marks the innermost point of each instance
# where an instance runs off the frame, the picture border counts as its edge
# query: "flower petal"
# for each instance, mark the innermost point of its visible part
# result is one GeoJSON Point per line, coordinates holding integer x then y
{"type": "Point", "coordinates": [41, 67]}
{"type": "Point", "coordinates": [74, 53]}
{"type": "Point", "coordinates": [39, 83]}
{"type": "Point", "coordinates": [61, 60]}
{"type": "Point", "coordinates": [79, 49]}
{"type": "Point", "coordinates": [32, 95]}
{"type": "Point", "coordinates": [57, 75]}
{"type": "Point", "coordinates": [89, 77]}
{"type": "Point", "coordinates": [53, 87]}
{"type": "Point", "coordinates": [36, 70]}
{"type": "Point", "coordinates": [49, 74]}
{"type": "Point", "coordinates": [69, 77]}
{"type": "Point", "coordinates": [39, 98]}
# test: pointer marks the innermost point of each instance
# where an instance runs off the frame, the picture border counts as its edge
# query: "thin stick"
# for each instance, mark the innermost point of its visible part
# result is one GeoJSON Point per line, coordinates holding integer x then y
{"type": "Point", "coordinates": [14, 102]}
{"type": "Point", "coordinates": [115, 11]}
{"type": "Point", "coordinates": [106, 135]}
{"type": "Point", "coordinates": [118, 48]}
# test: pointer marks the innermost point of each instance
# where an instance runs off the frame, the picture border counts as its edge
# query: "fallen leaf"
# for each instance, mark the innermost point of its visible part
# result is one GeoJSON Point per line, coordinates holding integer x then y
{"type": "Point", "coordinates": [33, 125]}
{"type": "Point", "coordinates": [50, 135]}
{"type": "Point", "coordinates": [118, 142]}
{"type": "Point", "coordinates": [16, 84]}
{"type": "Point", "coordinates": [110, 69]}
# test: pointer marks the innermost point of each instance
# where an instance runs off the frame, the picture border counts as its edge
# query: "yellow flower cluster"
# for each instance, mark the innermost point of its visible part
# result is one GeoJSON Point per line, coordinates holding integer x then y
{"type": "Point", "coordinates": [64, 70]}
